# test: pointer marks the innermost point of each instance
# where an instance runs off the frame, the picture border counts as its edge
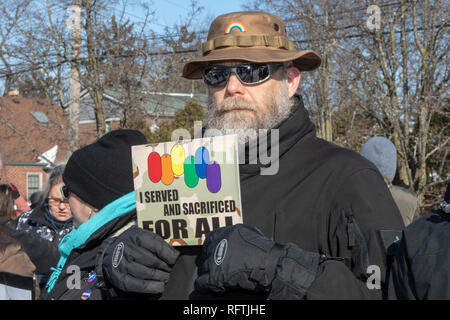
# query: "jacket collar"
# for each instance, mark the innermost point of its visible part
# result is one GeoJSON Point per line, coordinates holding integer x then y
{"type": "Point", "coordinates": [294, 128]}
{"type": "Point", "coordinates": [110, 229]}
{"type": "Point", "coordinates": [81, 238]}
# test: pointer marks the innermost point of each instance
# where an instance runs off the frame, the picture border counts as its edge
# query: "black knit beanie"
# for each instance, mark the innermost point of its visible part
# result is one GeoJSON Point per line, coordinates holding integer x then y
{"type": "Point", "coordinates": [101, 172]}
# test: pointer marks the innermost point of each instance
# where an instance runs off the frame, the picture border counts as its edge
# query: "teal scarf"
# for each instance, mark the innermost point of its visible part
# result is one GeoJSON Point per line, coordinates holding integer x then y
{"type": "Point", "coordinates": [79, 235]}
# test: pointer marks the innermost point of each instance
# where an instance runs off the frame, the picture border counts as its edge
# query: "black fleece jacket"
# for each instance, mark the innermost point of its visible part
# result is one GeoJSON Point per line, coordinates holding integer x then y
{"type": "Point", "coordinates": [324, 199]}
{"type": "Point", "coordinates": [81, 265]}
{"type": "Point", "coordinates": [420, 268]}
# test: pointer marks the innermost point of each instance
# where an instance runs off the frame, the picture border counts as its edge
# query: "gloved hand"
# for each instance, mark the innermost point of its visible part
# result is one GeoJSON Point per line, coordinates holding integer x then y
{"type": "Point", "coordinates": [137, 261]}
{"type": "Point", "coordinates": [240, 256]}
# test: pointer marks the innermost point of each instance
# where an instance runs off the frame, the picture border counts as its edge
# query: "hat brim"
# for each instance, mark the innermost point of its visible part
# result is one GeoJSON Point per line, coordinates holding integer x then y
{"type": "Point", "coordinates": [304, 60]}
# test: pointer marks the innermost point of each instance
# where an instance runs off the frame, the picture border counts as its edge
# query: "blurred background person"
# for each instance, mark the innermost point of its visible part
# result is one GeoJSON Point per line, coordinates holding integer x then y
{"type": "Point", "coordinates": [102, 199]}
{"type": "Point", "coordinates": [52, 218]}
{"type": "Point", "coordinates": [382, 152]}
{"type": "Point", "coordinates": [43, 254]}
{"type": "Point", "coordinates": [14, 259]}
{"type": "Point", "coordinates": [20, 205]}
{"type": "Point", "coordinates": [36, 199]}
{"type": "Point", "coordinates": [420, 268]}
{"type": "Point", "coordinates": [7, 213]}
{"type": "Point", "coordinates": [12, 256]}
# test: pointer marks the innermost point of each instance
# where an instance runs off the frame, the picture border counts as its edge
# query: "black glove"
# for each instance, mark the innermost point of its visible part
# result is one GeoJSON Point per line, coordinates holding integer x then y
{"type": "Point", "coordinates": [242, 257]}
{"type": "Point", "coordinates": [137, 261]}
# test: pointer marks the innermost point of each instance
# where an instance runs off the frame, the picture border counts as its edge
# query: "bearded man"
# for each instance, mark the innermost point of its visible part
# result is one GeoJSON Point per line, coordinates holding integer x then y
{"type": "Point", "coordinates": [314, 229]}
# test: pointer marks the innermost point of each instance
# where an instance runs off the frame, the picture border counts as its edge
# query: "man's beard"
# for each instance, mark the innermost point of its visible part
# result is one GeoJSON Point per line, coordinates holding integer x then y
{"type": "Point", "coordinates": [244, 124]}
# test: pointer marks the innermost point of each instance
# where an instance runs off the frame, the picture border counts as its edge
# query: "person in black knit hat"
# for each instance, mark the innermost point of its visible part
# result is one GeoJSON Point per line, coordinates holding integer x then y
{"type": "Point", "coordinates": [101, 172]}
{"type": "Point", "coordinates": [97, 257]}
{"type": "Point", "coordinates": [420, 269]}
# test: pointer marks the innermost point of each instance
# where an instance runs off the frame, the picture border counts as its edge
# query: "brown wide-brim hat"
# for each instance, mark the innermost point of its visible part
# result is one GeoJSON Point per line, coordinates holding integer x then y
{"type": "Point", "coordinates": [249, 36]}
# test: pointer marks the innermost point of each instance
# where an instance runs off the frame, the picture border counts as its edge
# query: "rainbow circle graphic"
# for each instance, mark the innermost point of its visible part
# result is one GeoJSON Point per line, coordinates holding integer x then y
{"type": "Point", "coordinates": [193, 168]}
{"type": "Point", "coordinates": [233, 25]}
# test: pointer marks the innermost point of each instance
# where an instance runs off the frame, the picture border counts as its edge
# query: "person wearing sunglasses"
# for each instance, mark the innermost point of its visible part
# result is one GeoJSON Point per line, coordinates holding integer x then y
{"type": "Point", "coordinates": [100, 252]}
{"type": "Point", "coordinates": [311, 229]}
{"type": "Point", "coordinates": [52, 218]}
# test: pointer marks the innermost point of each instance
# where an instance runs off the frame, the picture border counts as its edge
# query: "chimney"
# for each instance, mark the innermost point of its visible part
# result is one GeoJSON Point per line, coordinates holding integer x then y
{"type": "Point", "coordinates": [13, 93]}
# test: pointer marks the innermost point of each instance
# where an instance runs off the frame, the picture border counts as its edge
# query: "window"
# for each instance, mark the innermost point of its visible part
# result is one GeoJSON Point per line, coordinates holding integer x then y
{"type": "Point", "coordinates": [33, 183]}
{"type": "Point", "coordinates": [107, 126]}
{"type": "Point", "coordinates": [40, 117]}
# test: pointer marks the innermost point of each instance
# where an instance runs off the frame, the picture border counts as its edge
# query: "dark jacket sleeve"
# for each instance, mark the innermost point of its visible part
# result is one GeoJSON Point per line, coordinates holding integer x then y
{"type": "Point", "coordinates": [419, 269]}
{"type": "Point", "coordinates": [400, 279]}
{"type": "Point", "coordinates": [41, 252]}
{"type": "Point", "coordinates": [362, 206]}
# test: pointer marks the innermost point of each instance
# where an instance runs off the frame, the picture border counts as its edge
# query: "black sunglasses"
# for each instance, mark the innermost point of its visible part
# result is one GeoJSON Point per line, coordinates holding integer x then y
{"type": "Point", "coordinates": [65, 191]}
{"type": "Point", "coordinates": [248, 73]}
{"type": "Point", "coordinates": [56, 201]}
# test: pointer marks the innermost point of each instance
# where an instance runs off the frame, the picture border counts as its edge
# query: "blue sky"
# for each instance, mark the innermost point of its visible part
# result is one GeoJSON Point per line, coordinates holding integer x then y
{"type": "Point", "coordinates": [169, 12]}
{"type": "Point", "coordinates": [169, 9]}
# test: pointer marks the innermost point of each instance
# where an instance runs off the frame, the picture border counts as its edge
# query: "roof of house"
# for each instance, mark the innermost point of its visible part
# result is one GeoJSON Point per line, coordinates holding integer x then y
{"type": "Point", "coordinates": [166, 104]}
{"type": "Point", "coordinates": [29, 127]}
{"type": "Point", "coordinates": [155, 104]}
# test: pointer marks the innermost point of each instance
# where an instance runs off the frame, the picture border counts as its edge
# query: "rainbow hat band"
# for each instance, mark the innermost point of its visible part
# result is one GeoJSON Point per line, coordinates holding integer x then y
{"type": "Point", "coordinates": [235, 25]}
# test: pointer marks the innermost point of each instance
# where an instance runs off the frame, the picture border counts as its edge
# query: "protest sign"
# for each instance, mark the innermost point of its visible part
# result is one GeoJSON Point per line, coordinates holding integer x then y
{"type": "Point", "coordinates": [185, 189]}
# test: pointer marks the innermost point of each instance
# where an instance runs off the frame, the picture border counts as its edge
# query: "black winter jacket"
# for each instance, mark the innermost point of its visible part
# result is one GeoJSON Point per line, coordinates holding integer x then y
{"type": "Point", "coordinates": [325, 199]}
{"type": "Point", "coordinates": [81, 266]}
{"type": "Point", "coordinates": [41, 252]}
{"type": "Point", "coordinates": [420, 269]}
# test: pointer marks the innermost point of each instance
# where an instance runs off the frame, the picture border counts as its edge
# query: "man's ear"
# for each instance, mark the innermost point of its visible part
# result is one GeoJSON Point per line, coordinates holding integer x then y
{"type": "Point", "coordinates": [293, 75]}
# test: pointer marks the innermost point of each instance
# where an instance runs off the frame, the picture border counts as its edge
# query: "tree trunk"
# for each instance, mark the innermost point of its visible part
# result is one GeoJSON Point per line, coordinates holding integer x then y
{"type": "Point", "coordinates": [95, 86]}
{"type": "Point", "coordinates": [74, 103]}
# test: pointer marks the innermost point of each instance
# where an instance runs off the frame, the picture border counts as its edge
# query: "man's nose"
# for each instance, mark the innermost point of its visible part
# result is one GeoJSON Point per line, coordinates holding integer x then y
{"type": "Point", "coordinates": [234, 86]}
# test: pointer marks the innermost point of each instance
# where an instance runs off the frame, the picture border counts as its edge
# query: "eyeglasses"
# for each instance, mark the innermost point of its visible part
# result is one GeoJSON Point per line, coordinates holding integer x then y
{"type": "Point", "coordinates": [57, 202]}
{"type": "Point", "coordinates": [248, 73]}
{"type": "Point", "coordinates": [65, 191]}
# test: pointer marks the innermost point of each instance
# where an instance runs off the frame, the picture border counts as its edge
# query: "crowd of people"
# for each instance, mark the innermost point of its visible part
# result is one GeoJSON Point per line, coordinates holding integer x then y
{"type": "Point", "coordinates": [34, 235]}
{"type": "Point", "coordinates": [311, 231]}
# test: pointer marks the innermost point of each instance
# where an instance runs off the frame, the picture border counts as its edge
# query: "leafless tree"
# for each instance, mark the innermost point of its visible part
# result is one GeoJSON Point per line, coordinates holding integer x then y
{"type": "Point", "coordinates": [12, 14]}
{"type": "Point", "coordinates": [385, 76]}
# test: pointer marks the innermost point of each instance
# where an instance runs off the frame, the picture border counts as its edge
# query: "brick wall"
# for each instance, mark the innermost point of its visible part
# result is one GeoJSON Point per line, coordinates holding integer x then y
{"type": "Point", "coordinates": [88, 131]}
{"type": "Point", "coordinates": [18, 175]}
